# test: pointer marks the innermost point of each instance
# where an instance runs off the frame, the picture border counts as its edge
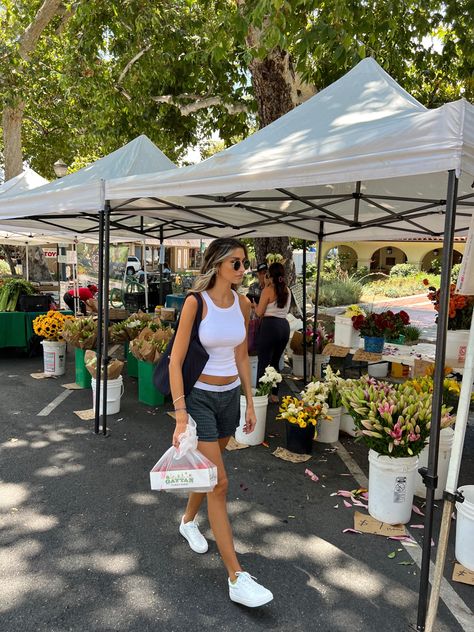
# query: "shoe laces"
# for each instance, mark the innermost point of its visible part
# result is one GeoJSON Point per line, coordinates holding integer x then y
{"type": "Point", "coordinates": [193, 524]}
{"type": "Point", "coordinates": [246, 576]}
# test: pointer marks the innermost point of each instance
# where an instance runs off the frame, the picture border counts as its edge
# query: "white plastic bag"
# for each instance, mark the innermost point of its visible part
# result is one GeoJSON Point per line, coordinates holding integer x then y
{"type": "Point", "coordinates": [184, 467]}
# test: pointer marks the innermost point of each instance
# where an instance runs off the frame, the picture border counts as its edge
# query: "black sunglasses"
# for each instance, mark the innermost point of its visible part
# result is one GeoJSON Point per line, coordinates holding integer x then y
{"type": "Point", "coordinates": [245, 263]}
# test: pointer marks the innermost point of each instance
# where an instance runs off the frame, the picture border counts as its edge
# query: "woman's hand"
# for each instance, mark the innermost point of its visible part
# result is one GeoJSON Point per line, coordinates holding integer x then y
{"type": "Point", "coordinates": [250, 419]}
{"type": "Point", "coordinates": [181, 423]}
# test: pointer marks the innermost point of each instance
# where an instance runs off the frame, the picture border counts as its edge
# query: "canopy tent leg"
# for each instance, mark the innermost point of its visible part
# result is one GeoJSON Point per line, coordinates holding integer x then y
{"type": "Point", "coordinates": [430, 474]}
{"type": "Point", "coordinates": [305, 371]}
{"type": "Point", "coordinates": [316, 295]}
{"type": "Point", "coordinates": [162, 260]}
{"type": "Point", "coordinates": [451, 494]}
{"type": "Point", "coordinates": [146, 276]}
{"type": "Point", "coordinates": [100, 321]}
{"type": "Point", "coordinates": [106, 270]}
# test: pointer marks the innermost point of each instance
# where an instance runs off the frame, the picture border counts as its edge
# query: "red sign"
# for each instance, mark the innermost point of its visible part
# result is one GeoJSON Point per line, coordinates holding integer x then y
{"type": "Point", "coordinates": [50, 253]}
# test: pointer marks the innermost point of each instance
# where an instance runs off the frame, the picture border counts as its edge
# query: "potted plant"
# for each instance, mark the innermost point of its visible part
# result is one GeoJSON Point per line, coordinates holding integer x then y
{"type": "Point", "coordinates": [81, 333]}
{"type": "Point", "coordinates": [260, 401]}
{"type": "Point", "coordinates": [394, 421]}
{"type": "Point", "coordinates": [328, 431]}
{"type": "Point", "coordinates": [376, 328]}
{"type": "Point", "coordinates": [321, 338]}
{"type": "Point", "coordinates": [301, 415]}
{"type": "Point", "coordinates": [459, 322]}
{"type": "Point", "coordinates": [50, 327]}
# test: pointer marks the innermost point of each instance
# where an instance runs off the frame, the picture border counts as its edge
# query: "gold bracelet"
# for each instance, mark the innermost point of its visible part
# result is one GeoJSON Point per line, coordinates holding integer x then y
{"type": "Point", "coordinates": [177, 399]}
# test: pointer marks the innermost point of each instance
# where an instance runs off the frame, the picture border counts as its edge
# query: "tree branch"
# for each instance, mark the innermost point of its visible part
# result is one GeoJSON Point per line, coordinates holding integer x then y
{"type": "Point", "coordinates": [200, 103]}
{"type": "Point", "coordinates": [48, 10]}
{"type": "Point", "coordinates": [131, 62]}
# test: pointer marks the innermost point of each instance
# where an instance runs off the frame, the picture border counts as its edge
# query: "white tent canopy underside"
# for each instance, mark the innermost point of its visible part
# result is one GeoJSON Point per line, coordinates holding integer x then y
{"type": "Point", "coordinates": [360, 160]}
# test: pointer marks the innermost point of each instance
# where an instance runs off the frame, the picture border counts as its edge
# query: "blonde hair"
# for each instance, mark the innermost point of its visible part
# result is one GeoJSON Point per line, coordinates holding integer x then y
{"type": "Point", "coordinates": [215, 254]}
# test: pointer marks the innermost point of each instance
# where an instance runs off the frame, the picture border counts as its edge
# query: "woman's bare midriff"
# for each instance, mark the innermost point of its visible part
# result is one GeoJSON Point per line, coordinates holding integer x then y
{"type": "Point", "coordinates": [217, 380]}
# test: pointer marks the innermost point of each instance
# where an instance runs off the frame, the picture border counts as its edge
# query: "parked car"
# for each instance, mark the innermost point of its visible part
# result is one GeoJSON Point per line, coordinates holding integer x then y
{"type": "Point", "coordinates": [133, 265]}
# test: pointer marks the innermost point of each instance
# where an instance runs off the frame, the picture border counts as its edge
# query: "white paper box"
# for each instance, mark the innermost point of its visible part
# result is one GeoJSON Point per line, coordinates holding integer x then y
{"type": "Point", "coordinates": [183, 479]}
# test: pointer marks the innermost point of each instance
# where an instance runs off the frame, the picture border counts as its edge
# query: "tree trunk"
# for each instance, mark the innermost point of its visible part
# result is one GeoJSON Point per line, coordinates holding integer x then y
{"type": "Point", "coordinates": [37, 266]}
{"type": "Point", "coordinates": [12, 119]}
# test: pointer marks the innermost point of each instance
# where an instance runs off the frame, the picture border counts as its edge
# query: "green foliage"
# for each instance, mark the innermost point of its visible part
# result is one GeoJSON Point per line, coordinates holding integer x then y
{"type": "Point", "coordinates": [395, 287]}
{"type": "Point", "coordinates": [403, 270]}
{"type": "Point", "coordinates": [435, 265]}
{"type": "Point", "coordinates": [339, 292]}
{"type": "Point", "coordinates": [411, 333]}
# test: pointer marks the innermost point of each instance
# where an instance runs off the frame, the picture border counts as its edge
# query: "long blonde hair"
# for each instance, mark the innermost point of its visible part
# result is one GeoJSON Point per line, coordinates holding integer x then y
{"type": "Point", "coordinates": [215, 254]}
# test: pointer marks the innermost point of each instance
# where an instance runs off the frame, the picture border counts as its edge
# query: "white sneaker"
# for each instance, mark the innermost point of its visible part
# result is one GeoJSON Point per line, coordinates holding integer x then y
{"type": "Point", "coordinates": [248, 592]}
{"type": "Point", "coordinates": [190, 531]}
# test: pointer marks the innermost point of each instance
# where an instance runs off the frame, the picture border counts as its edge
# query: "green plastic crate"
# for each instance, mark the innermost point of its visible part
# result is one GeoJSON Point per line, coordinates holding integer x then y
{"type": "Point", "coordinates": [132, 362]}
{"type": "Point", "coordinates": [147, 393]}
{"type": "Point", "coordinates": [83, 377]}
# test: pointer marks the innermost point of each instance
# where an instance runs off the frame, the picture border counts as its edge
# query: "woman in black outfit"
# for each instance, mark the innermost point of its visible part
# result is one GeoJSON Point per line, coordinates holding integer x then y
{"type": "Point", "coordinates": [274, 330]}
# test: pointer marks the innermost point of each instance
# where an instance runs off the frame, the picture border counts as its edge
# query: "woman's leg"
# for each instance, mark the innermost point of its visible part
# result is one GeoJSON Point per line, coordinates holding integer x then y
{"type": "Point", "coordinates": [195, 498]}
{"type": "Point", "coordinates": [217, 508]}
{"type": "Point", "coordinates": [282, 335]}
{"type": "Point", "coordinates": [265, 345]}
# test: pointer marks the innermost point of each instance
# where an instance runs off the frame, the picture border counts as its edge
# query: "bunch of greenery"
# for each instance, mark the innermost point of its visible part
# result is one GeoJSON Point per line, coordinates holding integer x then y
{"type": "Point", "coordinates": [10, 291]}
{"type": "Point", "coordinates": [403, 270]}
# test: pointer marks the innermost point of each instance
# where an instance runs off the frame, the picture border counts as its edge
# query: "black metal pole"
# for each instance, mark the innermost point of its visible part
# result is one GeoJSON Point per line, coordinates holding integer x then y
{"type": "Point", "coordinates": [106, 358]}
{"type": "Point", "coordinates": [100, 321]}
{"type": "Point", "coordinates": [430, 474]}
{"type": "Point", "coordinates": [316, 294]}
{"type": "Point", "coordinates": [305, 372]}
{"type": "Point", "coordinates": [161, 267]}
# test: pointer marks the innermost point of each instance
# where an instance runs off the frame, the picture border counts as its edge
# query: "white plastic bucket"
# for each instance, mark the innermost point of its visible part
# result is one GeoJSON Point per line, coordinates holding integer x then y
{"type": "Point", "coordinates": [347, 424]}
{"type": "Point", "coordinates": [345, 334]}
{"type": "Point", "coordinates": [320, 361]}
{"type": "Point", "coordinates": [114, 393]}
{"type": "Point", "coordinates": [446, 437]}
{"type": "Point", "coordinates": [253, 370]}
{"type": "Point", "coordinates": [328, 429]}
{"type": "Point", "coordinates": [54, 357]}
{"type": "Point", "coordinates": [464, 549]}
{"type": "Point", "coordinates": [258, 433]}
{"type": "Point", "coordinates": [391, 487]}
{"type": "Point", "coordinates": [377, 369]}
{"type": "Point", "coordinates": [456, 345]}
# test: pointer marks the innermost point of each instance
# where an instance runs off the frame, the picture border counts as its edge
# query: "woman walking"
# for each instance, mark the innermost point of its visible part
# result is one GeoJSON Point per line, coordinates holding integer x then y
{"type": "Point", "coordinates": [214, 401]}
{"type": "Point", "coordinates": [274, 332]}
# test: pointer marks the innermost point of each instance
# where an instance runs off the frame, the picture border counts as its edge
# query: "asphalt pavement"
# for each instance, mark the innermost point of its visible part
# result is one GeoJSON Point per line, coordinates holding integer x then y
{"type": "Point", "coordinates": [87, 546]}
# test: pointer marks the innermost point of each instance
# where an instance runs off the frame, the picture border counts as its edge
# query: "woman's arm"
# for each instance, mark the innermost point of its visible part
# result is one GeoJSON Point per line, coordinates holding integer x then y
{"type": "Point", "coordinates": [243, 368]}
{"type": "Point", "coordinates": [178, 353]}
{"type": "Point", "coordinates": [265, 298]}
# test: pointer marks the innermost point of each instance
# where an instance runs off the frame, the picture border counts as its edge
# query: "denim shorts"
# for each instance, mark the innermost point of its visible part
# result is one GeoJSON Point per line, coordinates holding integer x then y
{"type": "Point", "coordinates": [217, 414]}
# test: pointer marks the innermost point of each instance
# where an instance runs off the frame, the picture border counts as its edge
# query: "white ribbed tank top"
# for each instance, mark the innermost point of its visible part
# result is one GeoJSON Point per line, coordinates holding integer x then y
{"type": "Point", "coordinates": [220, 332]}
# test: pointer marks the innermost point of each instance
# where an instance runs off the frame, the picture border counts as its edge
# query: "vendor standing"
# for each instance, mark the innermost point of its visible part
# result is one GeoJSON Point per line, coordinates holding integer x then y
{"type": "Point", "coordinates": [257, 287]}
{"type": "Point", "coordinates": [87, 300]}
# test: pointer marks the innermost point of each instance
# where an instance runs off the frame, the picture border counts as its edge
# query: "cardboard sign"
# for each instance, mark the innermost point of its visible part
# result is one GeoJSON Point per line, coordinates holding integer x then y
{"type": "Point", "coordinates": [297, 292]}
{"type": "Point", "coordinates": [366, 356]}
{"type": "Point", "coordinates": [420, 367]}
{"type": "Point", "coordinates": [463, 575]}
{"type": "Point", "coordinates": [367, 524]}
{"type": "Point", "coordinates": [337, 351]}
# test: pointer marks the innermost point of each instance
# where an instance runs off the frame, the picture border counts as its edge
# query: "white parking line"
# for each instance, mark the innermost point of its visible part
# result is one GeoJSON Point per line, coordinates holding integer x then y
{"type": "Point", "coordinates": [51, 406]}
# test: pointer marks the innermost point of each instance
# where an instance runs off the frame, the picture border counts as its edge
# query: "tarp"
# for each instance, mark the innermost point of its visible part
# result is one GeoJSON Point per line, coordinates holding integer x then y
{"type": "Point", "coordinates": [362, 159]}
{"type": "Point", "coordinates": [26, 180]}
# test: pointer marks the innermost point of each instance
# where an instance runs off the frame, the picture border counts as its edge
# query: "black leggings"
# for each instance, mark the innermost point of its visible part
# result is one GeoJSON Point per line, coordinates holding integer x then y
{"type": "Point", "coordinates": [272, 339]}
{"type": "Point", "coordinates": [69, 300]}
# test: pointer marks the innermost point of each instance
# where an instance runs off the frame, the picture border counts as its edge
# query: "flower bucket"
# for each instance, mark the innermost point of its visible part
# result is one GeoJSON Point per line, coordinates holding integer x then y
{"type": "Point", "coordinates": [464, 550]}
{"type": "Point", "coordinates": [114, 394]}
{"type": "Point", "coordinates": [391, 487]}
{"type": "Point", "coordinates": [328, 429]}
{"type": "Point", "coordinates": [299, 440]}
{"type": "Point", "coordinates": [377, 369]}
{"type": "Point", "coordinates": [83, 377]}
{"type": "Point", "coordinates": [320, 362]}
{"type": "Point", "coordinates": [446, 438]}
{"type": "Point", "coordinates": [147, 393]}
{"type": "Point", "coordinates": [345, 334]}
{"type": "Point", "coordinates": [373, 344]}
{"type": "Point", "coordinates": [54, 357]}
{"type": "Point", "coordinates": [456, 345]}
{"type": "Point", "coordinates": [258, 434]}
{"type": "Point", "coordinates": [347, 424]}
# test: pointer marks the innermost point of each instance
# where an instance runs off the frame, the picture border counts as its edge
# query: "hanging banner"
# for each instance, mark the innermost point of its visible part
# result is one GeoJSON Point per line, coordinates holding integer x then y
{"type": "Point", "coordinates": [465, 284]}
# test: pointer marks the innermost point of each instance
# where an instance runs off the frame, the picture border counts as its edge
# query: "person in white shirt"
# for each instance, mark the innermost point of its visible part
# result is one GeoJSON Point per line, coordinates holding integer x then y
{"type": "Point", "coordinates": [214, 401]}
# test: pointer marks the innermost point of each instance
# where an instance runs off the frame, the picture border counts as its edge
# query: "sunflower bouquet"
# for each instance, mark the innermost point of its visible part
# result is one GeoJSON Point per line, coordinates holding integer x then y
{"type": "Point", "coordinates": [50, 326]}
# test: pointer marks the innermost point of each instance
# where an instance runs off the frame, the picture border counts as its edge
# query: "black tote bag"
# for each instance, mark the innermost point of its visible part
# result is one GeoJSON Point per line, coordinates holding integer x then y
{"type": "Point", "coordinates": [194, 362]}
